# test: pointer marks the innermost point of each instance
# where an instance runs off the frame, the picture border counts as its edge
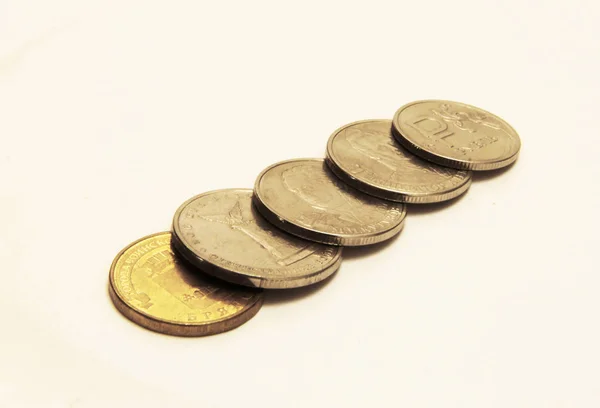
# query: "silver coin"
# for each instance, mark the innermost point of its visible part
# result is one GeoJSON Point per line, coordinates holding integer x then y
{"type": "Point", "coordinates": [366, 156]}
{"type": "Point", "coordinates": [304, 198]}
{"type": "Point", "coordinates": [221, 233]}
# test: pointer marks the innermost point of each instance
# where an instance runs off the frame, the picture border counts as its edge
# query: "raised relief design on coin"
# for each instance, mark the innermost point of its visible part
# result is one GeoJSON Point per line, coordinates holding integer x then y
{"type": "Point", "coordinates": [330, 202]}
{"type": "Point", "coordinates": [151, 287]}
{"type": "Point", "coordinates": [305, 199]}
{"type": "Point", "coordinates": [284, 251]}
{"type": "Point", "coordinates": [366, 156]}
{"type": "Point", "coordinates": [456, 135]}
{"type": "Point", "coordinates": [223, 234]}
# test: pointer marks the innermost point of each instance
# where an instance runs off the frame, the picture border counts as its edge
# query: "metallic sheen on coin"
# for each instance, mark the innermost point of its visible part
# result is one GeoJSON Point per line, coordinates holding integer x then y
{"type": "Point", "coordinates": [456, 135]}
{"type": "Point", "coordinates": [365, 155]}
{"type": "Point", "coordinates": [152, 288]}
{"type": "Point", "coordinates": [304, 198]}
{"type": "Point", "coordinates": [221, 233]}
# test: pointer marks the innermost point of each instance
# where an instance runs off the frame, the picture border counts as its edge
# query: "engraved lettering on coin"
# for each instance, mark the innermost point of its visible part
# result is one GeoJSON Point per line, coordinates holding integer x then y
{"type": "Point", "coordinates": [150, 284]}
{"type": "Point", "coordinates": [469, 134]}
{"type": "Point", "coordinates": [366, 156]}
{"type": "Point", "coordinates": [457, 134]}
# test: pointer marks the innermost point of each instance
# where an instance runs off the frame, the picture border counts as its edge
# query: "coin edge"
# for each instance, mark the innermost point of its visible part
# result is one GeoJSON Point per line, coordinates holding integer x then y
{"type": "Point", "coordinates": [241, 278]}
{"type": "Point", "coordinates": [319, 236]}
{"type": "Point", "coordinates": [448, 161]}
{"type": "Point", "coordinates": [385, 193]}
{"type": "Point", "coordinates": [183, 330]}
{"type": "Point", "coordinates": [125, 309]}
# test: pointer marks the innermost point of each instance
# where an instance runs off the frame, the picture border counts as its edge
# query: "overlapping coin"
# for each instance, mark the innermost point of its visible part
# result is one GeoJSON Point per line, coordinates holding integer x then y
{"type": "Point", "coordinates": [304, 198]}
{"type": "Point", "coordinates": [366, 156]}
{"type": "Point", "coordinates": [205, 276]}
{"type": "Point", "coordinates": [221, 233]}
{"type": "Point", "coordinates": [154, 289]}
{"type": "Point", "coordinates": [456, 135]}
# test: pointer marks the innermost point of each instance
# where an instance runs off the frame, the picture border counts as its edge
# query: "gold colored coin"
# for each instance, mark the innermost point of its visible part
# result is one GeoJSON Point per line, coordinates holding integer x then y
{"type": "Point", "coordinates": [304, 198]}
{"type": "Point", "coordinates": [365, 155]}
{"type": "Point", "coordinates": [223, 234]}
{"type": "Point", "coordinates": [152, 288]}
{"type": "Point", "coordinates": [456, 135]}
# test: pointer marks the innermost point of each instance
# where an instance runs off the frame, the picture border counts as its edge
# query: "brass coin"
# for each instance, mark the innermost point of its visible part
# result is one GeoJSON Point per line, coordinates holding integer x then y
{"type": "Point", "coordinates": [304, 198]}
{"type": "Point", "coordinates": [365, 155]}
{"type": "Point", "coordinates": [456, 135]}
{"type": "Point", "coordinates": [152, 288]}
{"type": "Point", "coordinates": [224, 235]}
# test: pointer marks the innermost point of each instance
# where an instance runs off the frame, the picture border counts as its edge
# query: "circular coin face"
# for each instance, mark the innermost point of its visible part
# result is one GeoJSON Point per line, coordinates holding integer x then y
{"type": "Point", "coordinates": [304, 198]}
{"type": "Point", "coordinates": [366, 156]}
{"type": "Point", "coordinates": [456, 135]}
{"type": "Point", "coordinates": [223, 234]}
{"type": "Point", "coordinates": [152, 288]}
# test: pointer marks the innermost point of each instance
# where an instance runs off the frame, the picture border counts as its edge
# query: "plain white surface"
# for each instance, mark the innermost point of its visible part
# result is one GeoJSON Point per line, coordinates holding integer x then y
{"type": "Point", "coordinates": [112, 113]}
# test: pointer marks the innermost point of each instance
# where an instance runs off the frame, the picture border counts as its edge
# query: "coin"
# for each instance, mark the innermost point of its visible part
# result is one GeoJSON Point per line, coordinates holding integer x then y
{"type": "Point", "coordinates": [154, 289]}
{"type": "Point", "coordinates": [224, 235]}
{"type": "Point", "coordinates": [365, 155]}
{"type": "Point", "coordinates": [456, 135]}
{"type": "Point", "coordinates": [304, 198]}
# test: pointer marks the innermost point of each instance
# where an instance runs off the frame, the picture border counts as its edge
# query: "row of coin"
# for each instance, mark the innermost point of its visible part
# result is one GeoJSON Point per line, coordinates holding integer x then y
{"type": "Point", "coordinates": [205, 276]}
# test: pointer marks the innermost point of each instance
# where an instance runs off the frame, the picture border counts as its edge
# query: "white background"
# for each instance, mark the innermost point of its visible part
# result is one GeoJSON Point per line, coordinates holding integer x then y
{"type": "Point", "coordinates": [112, 113]}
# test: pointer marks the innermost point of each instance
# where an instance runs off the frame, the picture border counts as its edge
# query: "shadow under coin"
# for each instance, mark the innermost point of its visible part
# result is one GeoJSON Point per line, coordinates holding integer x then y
{"type": "Point", "coordinates": [368, 250]}
{"type": "Point", "coordinates": [276, 296]}
{"type": "Point", "coordinates": [479, 176]}
{"type": "Point", "coordinates": [422, 209]}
